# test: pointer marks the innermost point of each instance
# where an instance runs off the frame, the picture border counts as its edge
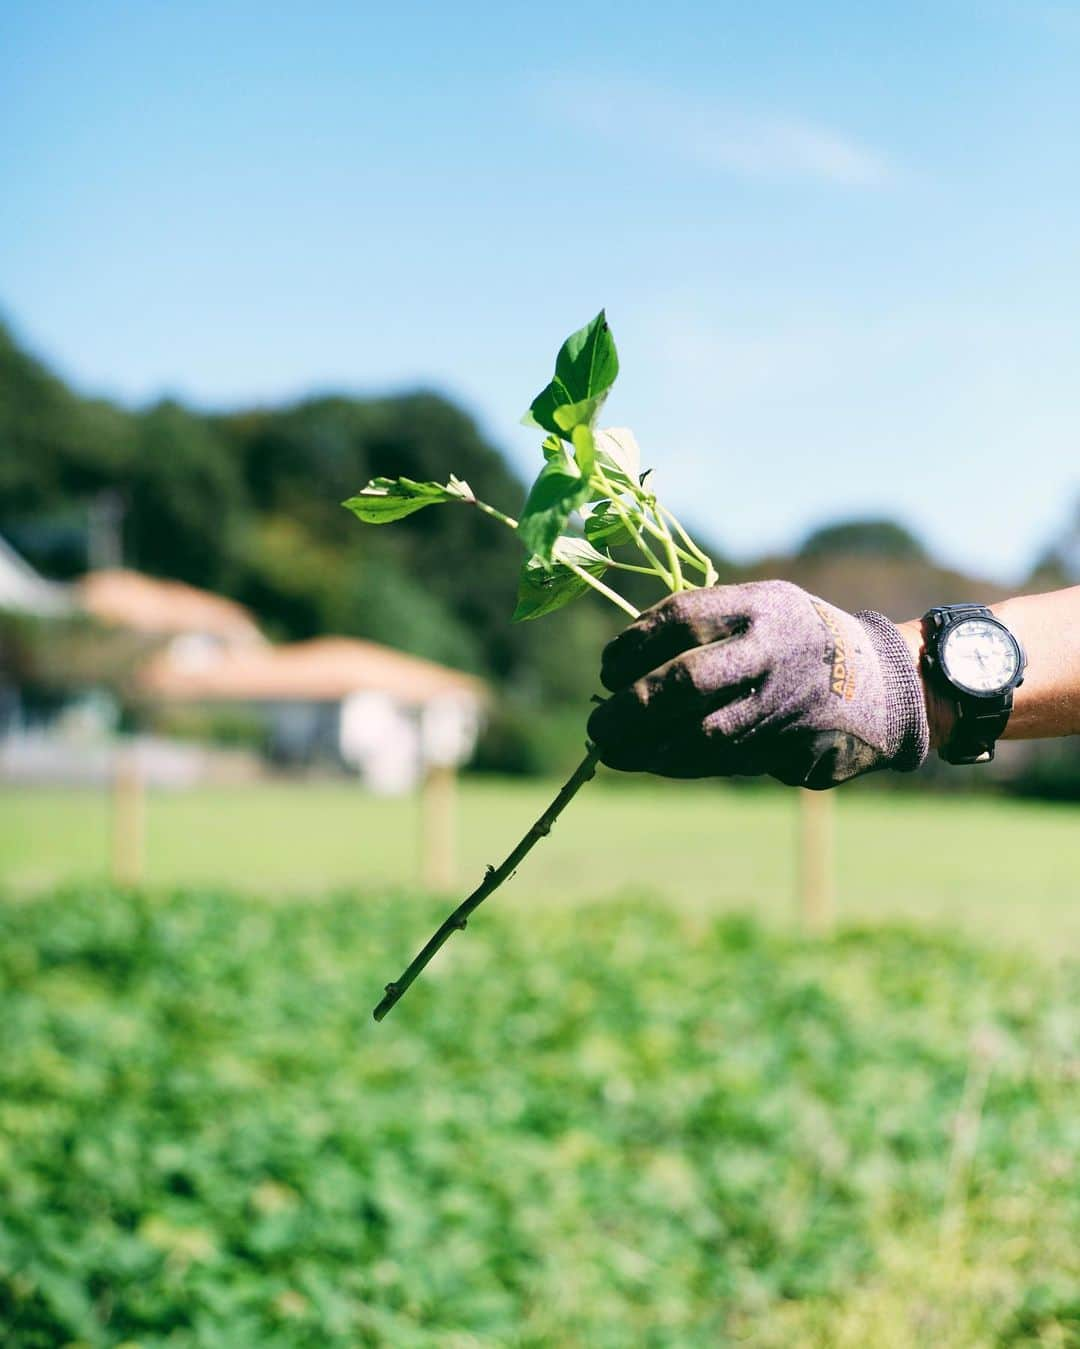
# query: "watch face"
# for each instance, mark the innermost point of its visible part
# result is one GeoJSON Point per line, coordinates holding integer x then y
{"type": "Point", "coordinates": [980, 656]}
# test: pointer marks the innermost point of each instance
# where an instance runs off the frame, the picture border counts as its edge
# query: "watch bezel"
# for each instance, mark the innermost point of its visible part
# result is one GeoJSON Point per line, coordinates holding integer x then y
{"type": "Point", "coordinates": [1015, 680]}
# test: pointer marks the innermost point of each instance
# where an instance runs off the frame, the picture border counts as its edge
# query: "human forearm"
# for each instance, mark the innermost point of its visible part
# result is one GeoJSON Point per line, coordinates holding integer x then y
{"type": "Point", "coordinates": [765, 678]}
{"type": "Point", "coordinates": [1048, 701]}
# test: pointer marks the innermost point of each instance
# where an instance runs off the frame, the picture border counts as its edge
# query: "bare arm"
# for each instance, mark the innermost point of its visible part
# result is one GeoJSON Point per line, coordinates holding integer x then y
{"type": "Point", "coordinates": [1048, 701]}
{"type": "Point", "coordinates": [765, 678]}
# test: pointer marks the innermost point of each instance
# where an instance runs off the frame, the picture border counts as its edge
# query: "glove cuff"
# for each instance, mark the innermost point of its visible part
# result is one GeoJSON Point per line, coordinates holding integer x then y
{"type": "Point", "coordinates": [906, 727]}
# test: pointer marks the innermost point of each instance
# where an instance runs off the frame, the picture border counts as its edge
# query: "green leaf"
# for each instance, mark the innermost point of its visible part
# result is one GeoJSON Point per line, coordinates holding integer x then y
{"type": "Point", "coordinates": [579, 551]}
{"type": "Point", "coordinates": [584, 450]}
{"type": "Point", "coordinates": [585, 370]}
{"type": "Point", "coordinates": [618, 451]}
{"type": "Point", "coordinates": [557, 492]}
{"type": "Point", "coordinates": [543, 588]}
{"type": "Point", "coordinates": [604, 526]}
{"type": "Point", "coordinates": [571, 415]}
{"type": "Point", "coordinates": [588, 363]}
{"type": "Point", "coordinates": [384, 500]}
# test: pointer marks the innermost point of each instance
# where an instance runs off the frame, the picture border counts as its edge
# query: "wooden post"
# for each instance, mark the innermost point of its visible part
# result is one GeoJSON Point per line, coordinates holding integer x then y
{"type": "Point", "coordinates": [128, 818]}
{"type": "Point", "coordinates": [816, 862]}
{"type": "Point", "coordinates": [438, 801]}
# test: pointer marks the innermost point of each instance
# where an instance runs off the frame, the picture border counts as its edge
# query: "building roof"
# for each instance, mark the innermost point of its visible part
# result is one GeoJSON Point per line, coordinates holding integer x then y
{"type": "Point", "coordinates": [148, 604]}
{"type": "Point", "coordinates": [326, 669]}
{"type": "Point", "coordinates": [24, 591]}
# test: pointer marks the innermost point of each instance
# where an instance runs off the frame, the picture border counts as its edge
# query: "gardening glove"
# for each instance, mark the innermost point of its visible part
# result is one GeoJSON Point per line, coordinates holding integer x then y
{"type": "Point", "coordinates": [760, 678]}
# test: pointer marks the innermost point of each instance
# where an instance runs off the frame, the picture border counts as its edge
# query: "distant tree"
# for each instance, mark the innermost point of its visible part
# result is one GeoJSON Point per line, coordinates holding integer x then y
{"type": "Point", "coordinates": [300, 462]}
{"type": "Point", "coordinates": [382, 601]}
{"type": "Point", "coordinates": [184, 499]}
{"type": "Point", "coordinates": [57, 453]}
{"type": "Point", "coordinates": [1059, 564]}
{"type": "Point", "coordinates": [866, 538]}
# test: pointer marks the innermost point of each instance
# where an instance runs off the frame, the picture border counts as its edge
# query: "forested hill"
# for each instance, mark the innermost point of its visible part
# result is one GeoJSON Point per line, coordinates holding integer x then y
{"type": "Point", "coordinates": [248, 504]}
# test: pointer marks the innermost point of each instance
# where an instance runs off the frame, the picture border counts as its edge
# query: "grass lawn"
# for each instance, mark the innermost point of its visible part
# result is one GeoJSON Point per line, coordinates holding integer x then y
{"type": "Point", "coordinates": [997, 868]}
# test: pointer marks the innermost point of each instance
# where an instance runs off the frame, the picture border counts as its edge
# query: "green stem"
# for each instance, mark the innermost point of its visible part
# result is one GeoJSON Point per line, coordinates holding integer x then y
{"type": "Point", "coordinates": [705, 563]}
{"type": "Point", "coordinates": [586, 576]}
{"type": "Point", "coordinates": [629, 566]}
{"type": "Point", "coordinates": [602, 589]}
{"type": "Point", "coordinates": [686, 556]}
{"type": "Point", "coordinates": [662, 534]}
{"type": "Point", "coordinates": [631, 528]}
{"type": "Point", "coordinates": [491, 882]}
{"type": "Point", "coordinates": [495, 514]}
{"type": "Point", "coordinates": [672, 555]}
{"type": "Point", "coordinates": [691, 561]}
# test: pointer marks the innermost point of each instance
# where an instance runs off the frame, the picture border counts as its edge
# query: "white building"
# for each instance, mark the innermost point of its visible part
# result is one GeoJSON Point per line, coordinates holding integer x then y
{"type": "Point", "coordinates": [381, 712]}
{"type": "Point", "coordinates": [188, 621]}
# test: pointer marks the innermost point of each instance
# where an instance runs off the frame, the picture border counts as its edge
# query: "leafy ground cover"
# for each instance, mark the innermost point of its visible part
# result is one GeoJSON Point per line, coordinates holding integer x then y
{"type": "Point", "coordinates": [613, 1123]}
{"type": "Point", "coordinates": [999, 868]}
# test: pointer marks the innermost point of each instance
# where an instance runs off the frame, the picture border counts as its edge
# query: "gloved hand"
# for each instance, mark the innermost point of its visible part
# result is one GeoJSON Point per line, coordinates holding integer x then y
{"type": "Point", "coordinates": [760, 678]}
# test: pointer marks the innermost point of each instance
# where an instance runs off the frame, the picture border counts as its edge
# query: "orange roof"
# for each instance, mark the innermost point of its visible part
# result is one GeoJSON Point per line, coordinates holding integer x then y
{"type": "Point", "coordinates": [324, 670]}
{"type": "Point", "coordinates": [129, 599]}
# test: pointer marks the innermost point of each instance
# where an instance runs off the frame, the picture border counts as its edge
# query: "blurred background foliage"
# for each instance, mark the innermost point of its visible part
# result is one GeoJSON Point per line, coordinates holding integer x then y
{"type": "Point", "coordinates": [706, 1134]}
{"type": "Point", "coordinates": [247, 504]}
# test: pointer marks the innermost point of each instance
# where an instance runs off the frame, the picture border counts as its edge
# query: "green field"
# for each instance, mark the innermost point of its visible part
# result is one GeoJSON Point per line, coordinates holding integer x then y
{"type": "Point", "coordinates": [995, 867]}
{"type": "Point", "coordinates": [619, 1110]}
{"type": "Point", "coordinates": [609, 1125]}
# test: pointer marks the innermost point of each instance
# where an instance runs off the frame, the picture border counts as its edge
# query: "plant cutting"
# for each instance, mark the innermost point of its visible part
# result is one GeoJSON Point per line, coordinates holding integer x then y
{"type": "Point", "coordinates": [590, 514]}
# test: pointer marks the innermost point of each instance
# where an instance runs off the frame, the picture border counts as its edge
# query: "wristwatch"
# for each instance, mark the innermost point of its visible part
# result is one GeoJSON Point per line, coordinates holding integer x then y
{"type": "Point", "coordinates": [975, 662]}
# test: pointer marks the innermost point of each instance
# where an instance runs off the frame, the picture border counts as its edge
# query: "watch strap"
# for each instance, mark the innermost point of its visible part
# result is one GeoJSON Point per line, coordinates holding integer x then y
{"type": "Point", "coordinates": [977, 729]}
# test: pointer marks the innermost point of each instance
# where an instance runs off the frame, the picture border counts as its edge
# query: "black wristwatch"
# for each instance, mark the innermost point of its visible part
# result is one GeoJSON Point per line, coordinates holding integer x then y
{"type": "Point", "coordinates": [974, 661]}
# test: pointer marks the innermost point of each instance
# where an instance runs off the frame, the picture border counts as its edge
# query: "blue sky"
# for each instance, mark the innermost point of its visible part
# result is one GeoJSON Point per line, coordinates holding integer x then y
{"type": "Point", "coordinates": [839, 245]}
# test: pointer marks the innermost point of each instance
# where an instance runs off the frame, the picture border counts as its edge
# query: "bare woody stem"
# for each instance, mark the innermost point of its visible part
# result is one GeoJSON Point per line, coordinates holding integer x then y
{"type": "Point", "coordinates": [491, 882]}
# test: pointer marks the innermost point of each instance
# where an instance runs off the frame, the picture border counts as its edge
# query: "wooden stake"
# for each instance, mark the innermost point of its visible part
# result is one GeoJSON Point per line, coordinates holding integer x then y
{"type": "Point", "coordinates": [816, 899]}
{"type": "Point", "coordinates": [438, 802]}
{"type": "Point", "coordinates": [128, 818]}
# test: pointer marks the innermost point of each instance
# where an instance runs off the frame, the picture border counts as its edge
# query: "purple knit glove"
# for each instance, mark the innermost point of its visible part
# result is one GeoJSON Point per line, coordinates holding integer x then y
{"type": "Point", "coordinates": [760, 678]}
